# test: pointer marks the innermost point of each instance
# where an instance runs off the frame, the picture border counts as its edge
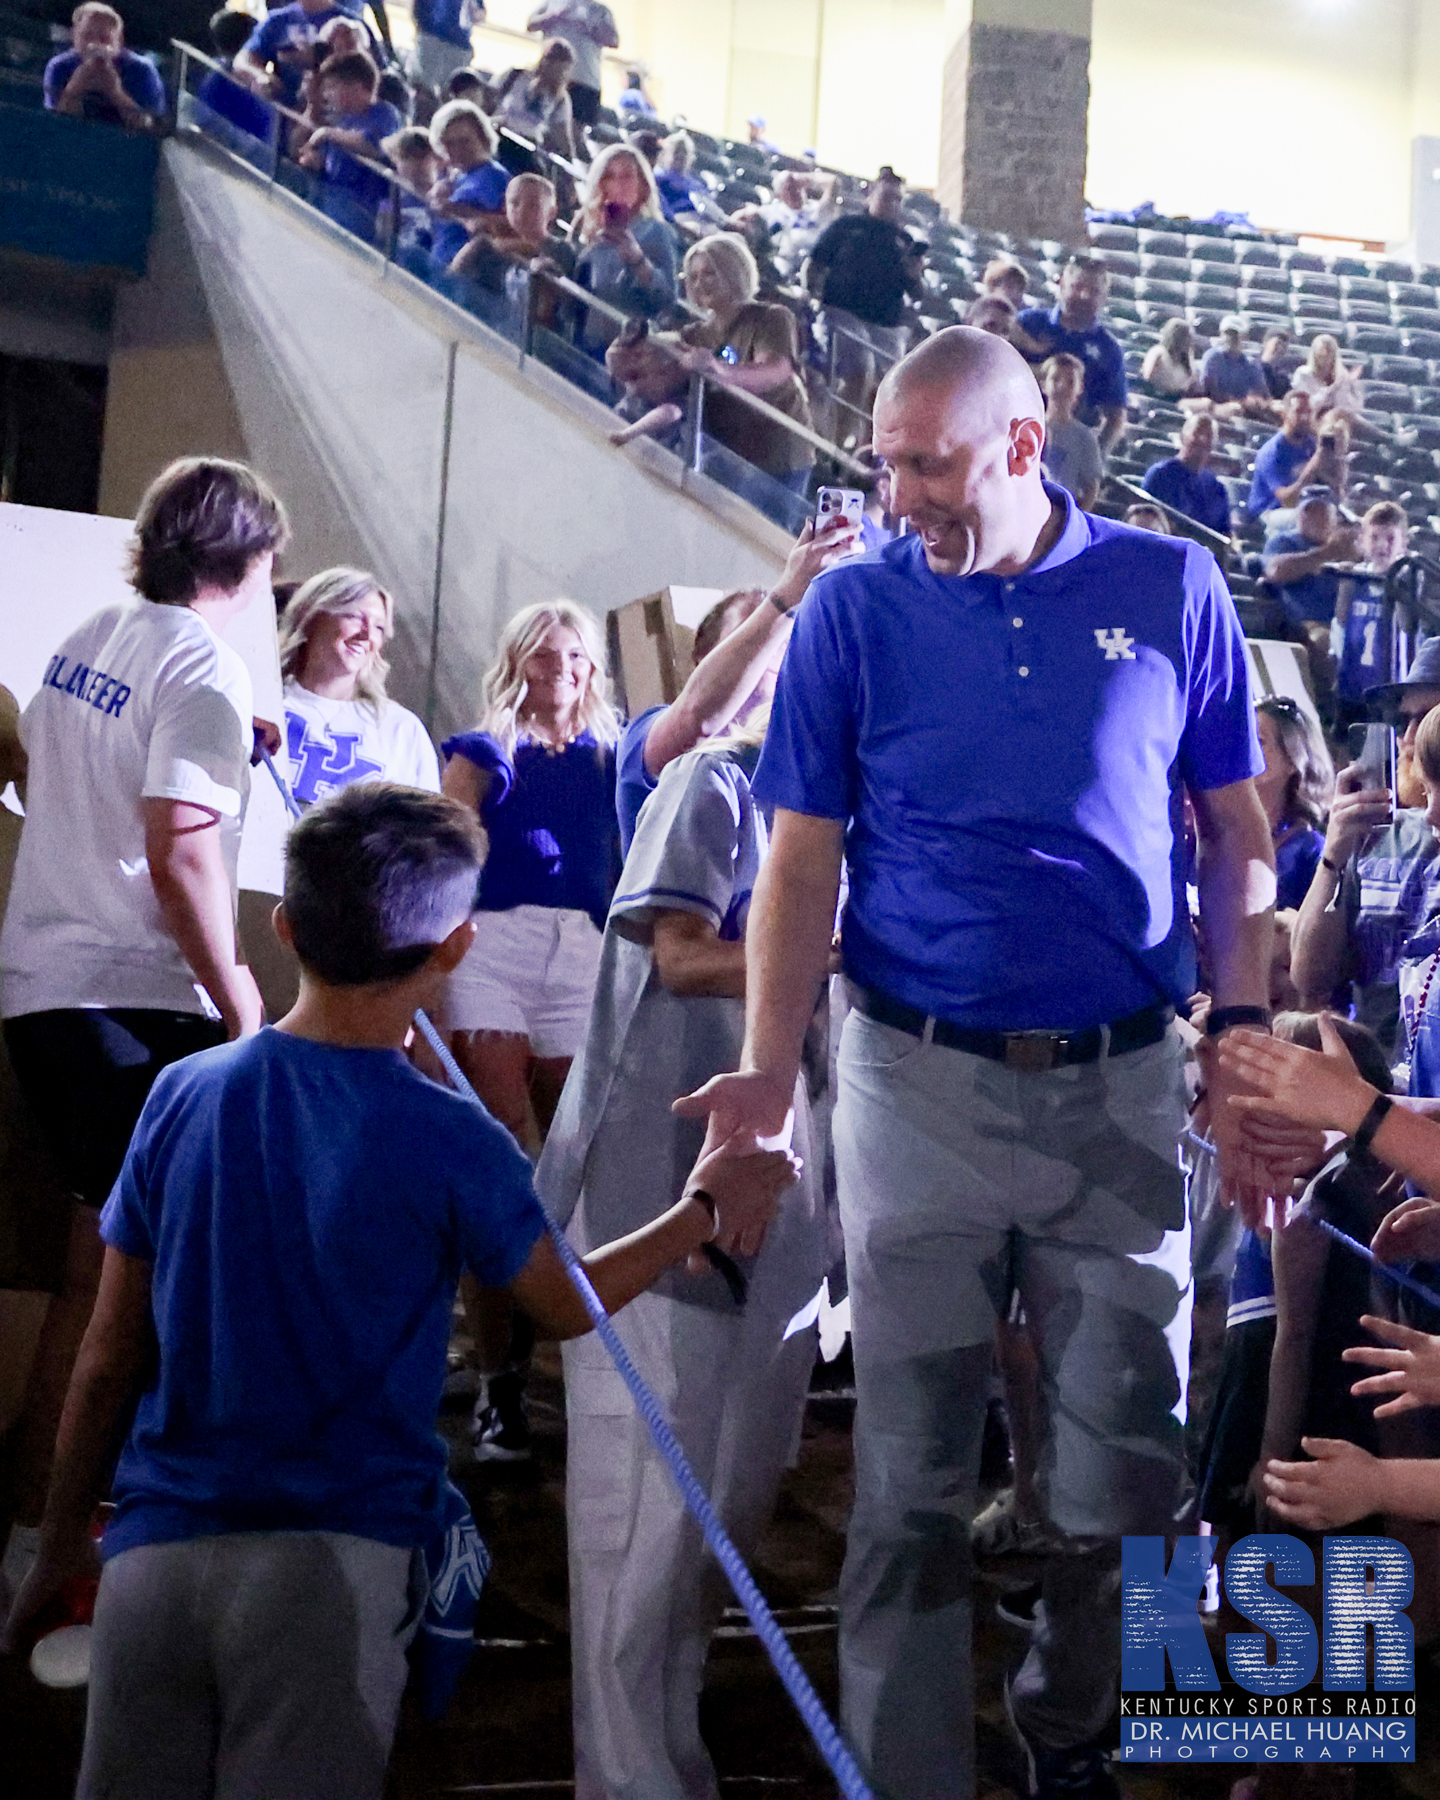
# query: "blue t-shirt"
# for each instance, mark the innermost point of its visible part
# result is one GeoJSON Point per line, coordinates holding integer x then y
{"type": "Point", "coordinates": [634, 784]}
{"type": "Point", "coordinates": [483, 187]}
{"type": "Point", "coordinates": [139, 78]}
{"type": "Point", "coordinates": [343, 169]}
{"type": "Point", "coordinates": [1225, 377]}
{"type": "Point", "coordinates": [291, 29]}
{"type": "Point", "coordinates": [1311, 599]}
{"type": "Point", "coordinates": [443, 19]}
{"type": "Point", "coordinates": [238, 104]}
{"type": "Point", "coordinates": [307, 1211]}
{"type": "Point", "coordinates": [550, 816]}
{"type": "Point", "coordinates": [1277, 463]}
{"type": "Point", "coordinates": [1008, 755]}
{"type": "Point", "coordinates": [1195, 492]}
{"type": "Point", "coordinates": [677, 190]}
{"type": "Point", "coordinates": [1297, 856]}
{"type": "Point", "coordinates": [1097, 348]}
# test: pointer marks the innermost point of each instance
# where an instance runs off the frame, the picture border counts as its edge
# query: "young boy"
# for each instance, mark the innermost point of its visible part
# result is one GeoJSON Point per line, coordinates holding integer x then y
{"type": "Point", "coordinates": [413, 158]}
{"type": "Point", "coordinates": [525, 237]}
{"type": "Point", "coordinates": [1071, 456]}
{"type": "Point", "coordinates": [356, 125]}
{"type": "Point", "coordinates": [283, 1249]}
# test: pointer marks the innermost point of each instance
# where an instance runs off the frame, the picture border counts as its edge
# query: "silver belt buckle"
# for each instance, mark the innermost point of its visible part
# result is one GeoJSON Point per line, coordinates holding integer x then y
{"type": "Point", "coordinates": [1033, 1052]}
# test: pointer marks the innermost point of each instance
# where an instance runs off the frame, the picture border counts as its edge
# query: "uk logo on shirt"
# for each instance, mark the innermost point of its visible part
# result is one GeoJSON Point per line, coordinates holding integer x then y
{"type": "Point", "coordinates": [319, 765]}
{"type": "Point", "coordinates": [1117, 644]}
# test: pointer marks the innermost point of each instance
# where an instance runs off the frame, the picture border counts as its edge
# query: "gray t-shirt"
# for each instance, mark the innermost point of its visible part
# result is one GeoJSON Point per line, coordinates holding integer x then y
{"type": "Point", "coordinates": [1072, 456]}
{"type": "Point", "coordinates": [616, 1152]}
{"type": "Point", "coordinates": [587, 28]}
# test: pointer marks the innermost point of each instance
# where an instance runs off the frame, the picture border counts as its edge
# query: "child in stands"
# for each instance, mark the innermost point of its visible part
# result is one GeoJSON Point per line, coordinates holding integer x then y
{"type": "Point", "coordinates": [350, 140]}
{"type": "Point", "coordinates": [287, 1233]}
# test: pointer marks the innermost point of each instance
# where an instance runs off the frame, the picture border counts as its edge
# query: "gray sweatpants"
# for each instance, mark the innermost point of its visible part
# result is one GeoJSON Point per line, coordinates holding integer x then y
{"type": "Point", "coordinates": [959, 1180]}
{"type": "Point", "coordinates": [258, 1666]}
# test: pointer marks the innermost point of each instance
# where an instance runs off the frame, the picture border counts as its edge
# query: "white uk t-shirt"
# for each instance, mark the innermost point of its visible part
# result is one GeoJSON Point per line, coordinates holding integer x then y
{"type": "Point", "coordinates": [141, 702]}
{"type": "Point", "coordinates": [330, 743]}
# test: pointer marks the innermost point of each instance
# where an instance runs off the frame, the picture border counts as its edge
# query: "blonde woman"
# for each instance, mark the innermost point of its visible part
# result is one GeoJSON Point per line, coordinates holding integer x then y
{"type": "Point", "coordinates": [627, 251]}
{"type": "Point", "coordinates": [1169, 366]}
{"type": "Point", "coordinates": [539, 769]}
{"type": "Point", "coordinates": [1323, 376]}
{"type": "Point", "coordinates": [340, 727]}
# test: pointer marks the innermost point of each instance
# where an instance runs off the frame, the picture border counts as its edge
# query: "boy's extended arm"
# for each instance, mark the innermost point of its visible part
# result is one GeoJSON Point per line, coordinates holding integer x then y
{"type": "Point", "coordinates": [114, 1355]}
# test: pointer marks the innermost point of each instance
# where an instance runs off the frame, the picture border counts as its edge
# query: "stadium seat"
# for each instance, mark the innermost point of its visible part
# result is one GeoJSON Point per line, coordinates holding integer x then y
{"type": "Point", "coordinates": [1388, 393]}
{"type": "Point", "coordinates": [1148, 288]}
{"type": "Point", "coordinates": [1394, 271]}
{"type": "Point", "coordinates": [1364, 312]}
{"type": "Point", "coordinates": [1307, 328]}
{"type": "Point", "coordinates": [1308, 281]}
{"type": "Point", "coordinates": [1381, 338]}
{"type": "Point", "coordinates": [1156, 312]}
{"type": "Point", "coordinates": [1113, 237]}
{"type": "Point", "coordinates": [1411, 293]}
{"type": "Point", "coordinates": [1304, 262]}
{"type": "Point", "coordinates": [1215, 250]}
{"type": "Point", "coordinates": [1161, 243]}
{"type": "Point", "coordinates": [1256, 255]}
{"type": "Point", "coordinates": [1256, 279]}
{"type": "Point", "coordinates": [1410, 371]}
{"type": "Point", "coordinates": [1362, 287]}
{"type": "Point", "coordinates": [1419, 318]}
{"type": "Point", "coordinates": [1165, 268]}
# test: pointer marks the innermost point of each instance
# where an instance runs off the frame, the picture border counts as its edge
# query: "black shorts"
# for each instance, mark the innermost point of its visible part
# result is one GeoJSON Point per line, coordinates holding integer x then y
{"type": "Point", "coordinates": [584, 104]}
{"type": "Point", "coordinates": [84, 1074]}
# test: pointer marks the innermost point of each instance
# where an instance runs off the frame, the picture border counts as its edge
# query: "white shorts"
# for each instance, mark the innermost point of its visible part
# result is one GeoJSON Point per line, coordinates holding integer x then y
{"type": "Point", "coordinates": [530, 971]}
{"type": "Point", "coordinates": [433, 60]}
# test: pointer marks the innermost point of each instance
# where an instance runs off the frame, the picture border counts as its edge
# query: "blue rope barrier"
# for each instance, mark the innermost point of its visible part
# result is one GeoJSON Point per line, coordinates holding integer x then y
{"type": "Point", "coordinates": [796, 1682]}
{"type": "Point", "coordinates": [1398, 1276]}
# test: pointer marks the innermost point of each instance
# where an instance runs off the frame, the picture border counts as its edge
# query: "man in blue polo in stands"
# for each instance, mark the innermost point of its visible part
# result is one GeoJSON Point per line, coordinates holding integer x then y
{"type": "Point", "coordinates": [1074, 327]}
{"type": "Point", "coordinates": [97, 78]}
{"type": "Point", "coordinates": [991, 722]}
{"type": "Point", "coordinates": [1185, 481]}
{"type": "Point", "coordinates": [1287, 462]}
{"type": "Point", "coordinates": [282, 47]}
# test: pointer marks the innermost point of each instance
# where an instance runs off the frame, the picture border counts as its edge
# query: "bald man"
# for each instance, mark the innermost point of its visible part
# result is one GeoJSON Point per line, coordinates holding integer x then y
{"type": "Point", "coordinates": [992, 720]}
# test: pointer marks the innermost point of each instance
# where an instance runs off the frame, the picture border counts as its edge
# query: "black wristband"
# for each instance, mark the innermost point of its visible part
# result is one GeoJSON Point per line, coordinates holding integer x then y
{"type": "Point", "coordinates": [1334, 868]}
{"type": "Point", "coordinates": [1365, 1131]}
{"type": "Point", "coordinates": [1223, 1017]}
{"type": "Point", "coordinates": [707, 1200]}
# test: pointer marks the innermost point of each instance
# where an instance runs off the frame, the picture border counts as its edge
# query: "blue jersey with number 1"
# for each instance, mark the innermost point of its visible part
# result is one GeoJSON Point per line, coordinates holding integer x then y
{"type": "Point", "coordinates": [1362, 650]}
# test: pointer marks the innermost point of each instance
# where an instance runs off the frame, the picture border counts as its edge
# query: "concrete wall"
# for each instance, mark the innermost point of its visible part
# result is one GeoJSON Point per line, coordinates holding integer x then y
{"type": "Point", "coordinates": [260, 333]}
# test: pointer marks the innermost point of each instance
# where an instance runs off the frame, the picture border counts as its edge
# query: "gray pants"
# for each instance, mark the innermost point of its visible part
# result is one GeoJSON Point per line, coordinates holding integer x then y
{"type": "Point", "coordinates": [959, 1181]}
{"type": "Point", "coordinates": [259, 1666]}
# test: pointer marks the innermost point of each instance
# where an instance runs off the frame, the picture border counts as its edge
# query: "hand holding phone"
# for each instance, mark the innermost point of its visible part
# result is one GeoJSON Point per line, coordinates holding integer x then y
{"type": "Point", "coordinates": [1372, 748]}
{"type": "Point", "coordinates": [839, 503]}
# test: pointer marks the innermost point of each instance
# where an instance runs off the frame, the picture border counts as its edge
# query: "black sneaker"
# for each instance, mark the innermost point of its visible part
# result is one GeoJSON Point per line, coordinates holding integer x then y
{"type": "Point", "coordinates": [1017, 1608]}
{"type": "Point", "coordinates": [1082, 1773]}
{"type": "Point", "coordinates": [499, 1429]}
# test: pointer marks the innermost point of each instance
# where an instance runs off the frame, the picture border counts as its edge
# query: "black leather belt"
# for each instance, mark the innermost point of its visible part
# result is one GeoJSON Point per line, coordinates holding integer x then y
{"type": "Point", "coordinates": [1032, 1052]}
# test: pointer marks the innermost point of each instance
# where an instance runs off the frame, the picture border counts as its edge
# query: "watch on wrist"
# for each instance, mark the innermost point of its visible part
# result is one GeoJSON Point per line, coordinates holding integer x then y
{"type": "Point", "coordinates": [1365, 1131]}
{"type": "Point", "coordinates": [1223, 1017]}
{"type": "Point", "coordinates": [1334, 867]}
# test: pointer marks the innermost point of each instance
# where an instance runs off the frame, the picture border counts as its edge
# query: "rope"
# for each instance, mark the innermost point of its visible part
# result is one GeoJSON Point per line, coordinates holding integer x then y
{"type": "Point", "coordinates": [796, 1682]}
{"type": "Point", "coordinates": [1398, 1276]}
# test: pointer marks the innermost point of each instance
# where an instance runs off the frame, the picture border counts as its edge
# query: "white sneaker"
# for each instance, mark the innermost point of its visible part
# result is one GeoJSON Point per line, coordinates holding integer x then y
{"type": "Point", "coordinates": [998, 1532]}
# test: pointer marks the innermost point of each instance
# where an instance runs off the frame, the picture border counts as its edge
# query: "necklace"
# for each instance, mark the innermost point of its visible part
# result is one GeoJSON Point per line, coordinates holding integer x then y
{"type": "Point", "coordinates": [553, 745]}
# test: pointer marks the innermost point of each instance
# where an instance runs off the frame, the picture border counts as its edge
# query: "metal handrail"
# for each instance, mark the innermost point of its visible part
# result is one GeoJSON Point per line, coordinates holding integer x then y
{"type": "Point", "coordinates": [1215, 541]}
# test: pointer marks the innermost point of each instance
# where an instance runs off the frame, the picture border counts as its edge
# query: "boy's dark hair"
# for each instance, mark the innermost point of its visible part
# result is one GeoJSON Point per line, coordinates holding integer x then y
{"type": "Point", "coordinates": [1359, 1040]}
{"type": "Point", "coordinates": [230, 31]}
{"type": "Point", "coordinates": [354, 65]}
{"type": "Point", "coordinates": [202, 523]}
{"type": "Point", "coordinates": [375, 877]}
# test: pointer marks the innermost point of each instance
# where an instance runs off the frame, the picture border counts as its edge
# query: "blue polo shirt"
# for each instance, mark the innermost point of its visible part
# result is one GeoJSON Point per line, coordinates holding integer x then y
{"type": "Point", "coordinates": [1195, 492]}
{"type": "Point", "coordinates": [1226, 377]}
{"type": "Point", "coordinates": [139, 78]}
{"type": "Point", "coordinates": [290, 29]}
{"type": "Point", "coordinates": [1277, 463]}
{"type": "Point", "coordinates": [483, 187]}
{"type": "Point", "coordinates": [1311, 599]}
{"type": "Point", "coordinates": [634, 784]}
{"type": "Point", "coordinates": [1097, 348]}
{"type": "Point", "coordinates": [443, 19]}
{"type": "Point", "coordinates": [1008, 755]}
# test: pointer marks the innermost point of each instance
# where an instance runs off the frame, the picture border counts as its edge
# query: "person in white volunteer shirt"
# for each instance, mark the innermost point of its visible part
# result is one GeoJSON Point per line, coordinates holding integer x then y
{"type": "Point", "coordinates": [340, 726]}
{"type": "Point", "coordinates": [118, 954]}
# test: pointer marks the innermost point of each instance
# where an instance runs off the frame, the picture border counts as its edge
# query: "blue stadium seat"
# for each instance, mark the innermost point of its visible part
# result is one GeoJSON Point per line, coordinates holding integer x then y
{"type": "Point", "coordinates": [1161, 243]}
{"type": "Point", "coordinates": [1256, 255]}
{"type": "Point", "coordinates": [1363, 287]}
{"type": "Point", "coordinates": [1384, 339]}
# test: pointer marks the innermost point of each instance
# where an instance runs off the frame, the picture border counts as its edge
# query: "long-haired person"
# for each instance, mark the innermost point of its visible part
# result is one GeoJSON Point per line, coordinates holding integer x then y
{"type": "Point", "coordinates": [628, 253]}
{"type": "Point", "coordinates": [670, 1010]}
{"type": "Point", "coordinates": [539, 770]}
{"type": "Point", "coordinates": [1295, 789]}
{"type": "Point", "coordinates": [118, 954]}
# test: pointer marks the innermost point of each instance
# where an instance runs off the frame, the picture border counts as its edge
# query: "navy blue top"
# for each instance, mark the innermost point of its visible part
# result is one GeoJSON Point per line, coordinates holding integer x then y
{"type": "Point", "coordinates": [550, 815]}
{"type": "Point", "coordinates": [1195, 492]}
{"type": "Point", "coordinates": [443, 19]}
{"type": "Point", "coordinates": [1008, 755]}
{"type": "Point", "coordinates": [1296, 859]}
{"type": "Point", "coordinates": [238, 104]}
{"type": "Point", "coordinates": [1097, 348]}
{"type": "Point", "coordinates": [139, 78]}
{"type": "Point", "coordinates": [307, 1211]}
{"type": "Point", "coordinates": [1364, 649]}
{"type": "Point", "coordinates": [1277, 463]}
{"type": "Point", "coordinates": [1312, 598]}
{"type": "Point", "coordinates": [353, 173]}
{"type": "Point", "coordinates": [290, 29]}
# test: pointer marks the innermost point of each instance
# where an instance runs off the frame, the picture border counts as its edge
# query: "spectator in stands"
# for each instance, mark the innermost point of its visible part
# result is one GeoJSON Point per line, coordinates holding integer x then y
{"type": "Point", "coordinates": [1358, 644]}
{"type": "Point", "coordinates": [588, 28]}
{"type": "Point", "coordinates": [502, 258]}
{"type": "Point", "coordinates": [1004, 276]}
{"type": "Point", "coordinates": [1378, 880]}
{"type": "Point", "coordinates": [681, 189]}
{"type": "Point", "coordinates": [745, 343]}
{"type": "Point", "coordinates": [352, 138]}
{"type": "Point", "coordinates": [1297, 562]}
{"type": "Point", "coordinates": [755, 128]}
{"type": "Point", "coordinates": [341, 37]}
{"type": "Point", "coordinates": [442, 42]}
{"type": "Point", "coordinates": [1073, 326]}
{"type": "Point", "coordinates": [1295, 789]}
{"type": "Point", "coordinates": [861, 269]}
{"type": "Point", "coordinates": [1330, 385]}
{"type": "Point", "coordinates": [1284, 463]}
{"type": "Point", "coordinates": [118, 955]}
{"type": "Point", "coordinates": [1186, 482]}
{"type": "Point", "coordinates": [633, 102]}
{"type": "Point", "coordinates": [471, 193]}
{"type": "Point", "coordinates": [232, 103]}
{"type": "Point", "coordinates": [97, 78]}
{"type": "Point", "coordinates": [1148, 518]}
{"type": "Point", "coordinates": [1169, 365]}
{"type": "Point", "coordinates": [627, 251]}
{"type": "Point", "coordinates": [535, 103]}
{"type": "Point", "coordinates": [468, 84]}
{"type": "Point", "coordinates": [1071, 456]}
{"type": "Point", "coordinates": [281, 50]}
{"type": "Point", "coordinates": [738, 648]}
{"type": "Point", "coordinates": [793, 219]}
{"type": "Point", "coordinates": [413, 158]}
{"type": "Point", "coordinates": [995, 314]}
{"type": "Point", "coordinates": [1274, 351]}
{"type": "Point", "coordinates": [1231, 381]}
{"type": "Point", "coordinates": [539, 771]}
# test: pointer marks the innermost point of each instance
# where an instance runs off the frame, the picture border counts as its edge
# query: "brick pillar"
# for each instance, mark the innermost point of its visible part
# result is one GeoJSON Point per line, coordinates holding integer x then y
{"type": "Point", "coordinates": [1013, 125]}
